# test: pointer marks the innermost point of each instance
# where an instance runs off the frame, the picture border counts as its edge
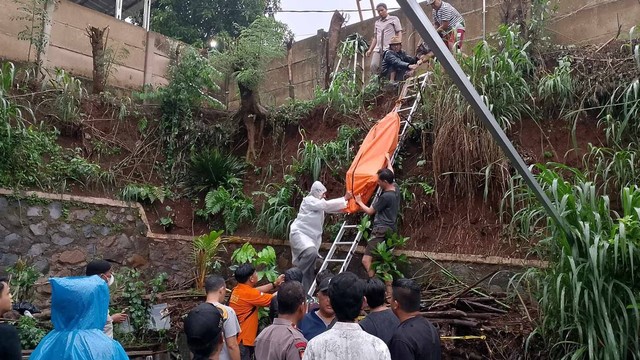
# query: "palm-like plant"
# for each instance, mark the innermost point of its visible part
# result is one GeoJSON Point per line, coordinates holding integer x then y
{"type": "Point", "coordinates": [205, 248]}
{"type": "Point", "coordinates": [211, 168]}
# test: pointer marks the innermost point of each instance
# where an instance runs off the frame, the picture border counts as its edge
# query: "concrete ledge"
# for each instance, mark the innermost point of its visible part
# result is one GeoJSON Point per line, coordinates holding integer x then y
{"type": "Point", "coordinates": [445, 257]}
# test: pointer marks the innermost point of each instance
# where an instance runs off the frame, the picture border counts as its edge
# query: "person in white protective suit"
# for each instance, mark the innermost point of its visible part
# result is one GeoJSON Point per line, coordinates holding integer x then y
{"type": "Point", "coordinates": [305, 235]}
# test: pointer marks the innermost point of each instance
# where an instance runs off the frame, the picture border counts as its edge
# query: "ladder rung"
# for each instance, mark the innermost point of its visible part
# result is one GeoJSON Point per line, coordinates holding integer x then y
{"type": "Point", "coordinates": [405, 109]}
{"type": "Point", "coordinates": [343, 243]}
{"type": "Point", "coordinates": [350, 226]}
{"type": "Point", "coordinates": [336, 260]}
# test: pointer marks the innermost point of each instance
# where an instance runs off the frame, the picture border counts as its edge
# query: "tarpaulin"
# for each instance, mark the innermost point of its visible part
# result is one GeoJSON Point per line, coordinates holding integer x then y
{"type": "Point", "coordinates": [362, 175]}
{"type": "Point", "coordinates": [79, 309]}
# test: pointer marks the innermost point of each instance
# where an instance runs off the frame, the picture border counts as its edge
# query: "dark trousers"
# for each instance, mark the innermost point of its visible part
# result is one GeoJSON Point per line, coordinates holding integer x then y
{"type": "Point", "coordinates": [247, 352]}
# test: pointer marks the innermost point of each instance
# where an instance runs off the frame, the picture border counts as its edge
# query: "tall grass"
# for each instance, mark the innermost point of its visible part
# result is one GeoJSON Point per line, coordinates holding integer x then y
{"type": "Point", "coordinates": [465, 156]}
{"type": "Point", "coordinates": [589, 294]}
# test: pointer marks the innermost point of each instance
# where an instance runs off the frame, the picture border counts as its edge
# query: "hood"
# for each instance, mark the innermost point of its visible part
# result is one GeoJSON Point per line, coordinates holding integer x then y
{"type": "Point", "coordinates": [317, 190]}
{"type": "Point", "coordinates": [79, 303]}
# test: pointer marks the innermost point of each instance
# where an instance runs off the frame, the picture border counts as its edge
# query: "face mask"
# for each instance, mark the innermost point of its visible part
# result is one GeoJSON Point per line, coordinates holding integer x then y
{"type": "Point", "coordinates": [111, 280]}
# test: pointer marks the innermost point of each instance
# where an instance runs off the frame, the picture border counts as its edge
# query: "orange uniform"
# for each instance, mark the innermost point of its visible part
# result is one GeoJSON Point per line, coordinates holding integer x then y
{"type": "Point", "coordinates": [246, 300]}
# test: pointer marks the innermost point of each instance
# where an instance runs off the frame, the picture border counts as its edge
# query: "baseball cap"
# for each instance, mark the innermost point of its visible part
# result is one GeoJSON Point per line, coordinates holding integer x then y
{"type": "Point", "coordinates": [323, 284]}
{"type": "Point", "coordinates": [203, 326]}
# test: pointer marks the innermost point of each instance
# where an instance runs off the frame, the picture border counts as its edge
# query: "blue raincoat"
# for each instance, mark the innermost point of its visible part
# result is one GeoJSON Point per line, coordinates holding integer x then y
{"type": "Point", "coordinates": [79, 308]}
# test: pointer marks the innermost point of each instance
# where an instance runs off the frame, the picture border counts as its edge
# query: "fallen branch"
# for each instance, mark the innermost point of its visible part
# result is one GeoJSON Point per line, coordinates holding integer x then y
{"type": "Point", "coordinates": [475, 305]}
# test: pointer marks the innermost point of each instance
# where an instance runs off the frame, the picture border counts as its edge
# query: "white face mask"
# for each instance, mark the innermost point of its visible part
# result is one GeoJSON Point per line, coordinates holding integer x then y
{"type": "Point", "coordinates": [111, 280]}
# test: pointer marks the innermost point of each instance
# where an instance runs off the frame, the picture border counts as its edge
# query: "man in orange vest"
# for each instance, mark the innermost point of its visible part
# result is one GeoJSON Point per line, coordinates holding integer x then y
{"type": "Point", "coordinates": [245, 299]}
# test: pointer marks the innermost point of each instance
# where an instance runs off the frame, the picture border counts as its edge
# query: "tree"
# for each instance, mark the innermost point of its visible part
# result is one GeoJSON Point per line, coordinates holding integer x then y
{"type": "Point", "coordinates": [246, 59]}
{"type": "Point", "coordinates": [197, 21]}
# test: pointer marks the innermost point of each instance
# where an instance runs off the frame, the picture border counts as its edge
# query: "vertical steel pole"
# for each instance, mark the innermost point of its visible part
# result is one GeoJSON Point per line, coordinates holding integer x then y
{"type": "Point", "coordinates": [484, 19]}
{"type": "Point", "coordinates": [429, 34]}
{"type": "Point", "coordinates": [146, 15]}
{"type": "Point", "coordinates": [119, 9]}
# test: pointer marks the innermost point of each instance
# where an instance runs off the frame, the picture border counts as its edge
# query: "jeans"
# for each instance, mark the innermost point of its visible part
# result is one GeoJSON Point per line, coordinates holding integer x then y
{"type": "Point", "coordinates": [247, 352]}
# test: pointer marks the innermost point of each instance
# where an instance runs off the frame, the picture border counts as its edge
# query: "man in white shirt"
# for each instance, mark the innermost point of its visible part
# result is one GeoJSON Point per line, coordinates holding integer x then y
{"type": "Point", "coordinates": [216, 290]}
{"type": "Point", "coordinates": [386, 27]}
{"type": "Point", "coordinates": [305, 235]}
{"type": "Point", "coordinates": [346, 339]}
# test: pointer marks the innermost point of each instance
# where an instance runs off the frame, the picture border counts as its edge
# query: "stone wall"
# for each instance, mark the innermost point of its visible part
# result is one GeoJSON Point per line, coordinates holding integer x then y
{"type": "Point", "coordinates": [60, 233]}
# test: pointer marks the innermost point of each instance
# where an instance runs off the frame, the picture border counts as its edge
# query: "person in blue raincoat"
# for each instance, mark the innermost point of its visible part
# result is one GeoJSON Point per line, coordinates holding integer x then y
{"type": "Point", "coordinates": [305, 234]}
{"type": "Point", "coordinates": [79, 308]}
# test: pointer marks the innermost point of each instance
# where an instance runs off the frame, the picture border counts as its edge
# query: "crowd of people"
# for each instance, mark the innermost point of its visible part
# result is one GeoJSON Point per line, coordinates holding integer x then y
{"type": "Point", "coordinates": [326, 330]}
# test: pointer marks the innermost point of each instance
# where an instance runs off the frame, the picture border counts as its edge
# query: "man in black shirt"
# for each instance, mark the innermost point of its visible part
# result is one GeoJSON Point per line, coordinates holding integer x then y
{"type": "Point", "coordinates": [385, 209]}
{"type": "Point", "coordinates": [381, 322]}
{"type": "Point", "coordinates": [9, 339]}
{"type": "Point", "coordinates": [397, 64]}
{"type": "Point", "coordinates": [416, 337]}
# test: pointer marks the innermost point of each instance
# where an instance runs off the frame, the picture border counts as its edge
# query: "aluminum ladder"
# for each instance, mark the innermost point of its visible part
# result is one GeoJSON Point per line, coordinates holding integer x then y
{"type": "Point", "coordinates": [411, 93]}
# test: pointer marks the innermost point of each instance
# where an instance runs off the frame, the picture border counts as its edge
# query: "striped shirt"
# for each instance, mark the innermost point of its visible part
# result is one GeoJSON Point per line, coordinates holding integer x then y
{"type": "Point", "coordinates": [446, 12]}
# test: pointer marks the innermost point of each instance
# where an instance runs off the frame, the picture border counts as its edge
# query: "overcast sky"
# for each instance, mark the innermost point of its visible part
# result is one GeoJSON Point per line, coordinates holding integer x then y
{"type": "Point", "coordinates": [305, 25]}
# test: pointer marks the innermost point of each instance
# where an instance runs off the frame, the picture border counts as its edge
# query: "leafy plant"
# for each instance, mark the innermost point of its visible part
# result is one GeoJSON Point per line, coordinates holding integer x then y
{"type": "Point", "coordinates": [211, 168]}
{"type": "Point", "coordinates": [611, 168]}
{"type": "Point", "coordinates": [621, 113]}
{"type": "Point", "coordinates": [70, 94]}
{"type": "Point", "coordinates": [30, 331]}
{"type": "Point", "coordinates": [144, 193]}
{"type": "Point", "coordinates": [288, 113]}
{"type": "Point", "coordinates": [192, 81]}
{"type": "Point", "coordinates": [36, 15]}
{"type": "Point", "coordinates": [232, 205]}
{"type": "Point", "coordinates": [555, 89]}
{"type": "Point", "coordinates": [588, 295]}
{"type": "Point", "coordinates": [277, 213]}
{"type": "Point", "coordinates": [133, 294]}
{"type": "Point", "coordinates": [264, 260]}
{"type": "Point", "coordinates": [386, 264]}
{"type": "Point", "coordinates": [364, 225]}
{"type": "Point", "coordinates": [205, 248]}
{"type": "Point", "coordinates": [167, 221]}
{"type": "Point", "coordinates": [23, 277]}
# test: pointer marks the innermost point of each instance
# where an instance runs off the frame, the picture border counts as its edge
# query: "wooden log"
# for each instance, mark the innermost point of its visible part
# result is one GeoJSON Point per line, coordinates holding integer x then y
{"type": "Point", "coordinates": [482, 316]}
{"type": "Point", "coordinates": [474, 305]}
{"type": "Point", "coordinates": [443, 314]}
{"type": "Point", "coordinates": [456, 322]}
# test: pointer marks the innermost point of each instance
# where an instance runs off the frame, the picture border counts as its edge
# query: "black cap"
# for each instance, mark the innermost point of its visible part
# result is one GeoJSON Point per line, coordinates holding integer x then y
{"type": "Point", "coordinates": [97, 267]}
{"type": "Point", "coordinates": [293, 274]}
{"type": "Point", "coordinates": [324, 283]}
{"type": "Point", "coordinates": [203, 326]}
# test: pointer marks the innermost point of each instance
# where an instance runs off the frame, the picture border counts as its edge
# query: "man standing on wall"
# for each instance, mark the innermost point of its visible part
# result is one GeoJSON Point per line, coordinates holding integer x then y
{"type": "Point", "coordinates": [385, 209]}
{"type": "Point", "coordinates": [386, 27]}
{"type": "Point", "coordinates": [448, 22]}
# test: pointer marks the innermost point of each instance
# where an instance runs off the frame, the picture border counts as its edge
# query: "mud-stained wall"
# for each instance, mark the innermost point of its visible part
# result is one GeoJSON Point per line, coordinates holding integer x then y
{"type": "Point", "coordinates": [147, 53]}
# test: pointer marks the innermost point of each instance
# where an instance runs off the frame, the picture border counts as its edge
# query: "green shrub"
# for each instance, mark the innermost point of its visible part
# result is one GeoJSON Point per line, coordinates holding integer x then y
{"type": "Point", "coordinates": [386, 264]}
{"type": "Point", "coordinates": [232, 206]}
{"type": "Point", "coordinates": [588, 295]}
{"type": "Point", "coordinates": [144, 193]}
{"type": "Point", "coordinates": [23, 277]}
{"type": "Point", "coordinates": [264, 260]}
{"type": "Point", "coordinates": [290, 113]}
{"type": "Point", "coordinates": [277, 213]}
{"type": "Point", "coordinates": [211, 168]}
{"type": "Point", "coordinates": [30, 331]}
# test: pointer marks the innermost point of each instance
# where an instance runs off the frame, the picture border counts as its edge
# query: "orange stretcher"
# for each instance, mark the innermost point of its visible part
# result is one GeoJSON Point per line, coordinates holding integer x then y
{"type": "Point", "coordinates": [362, 175]}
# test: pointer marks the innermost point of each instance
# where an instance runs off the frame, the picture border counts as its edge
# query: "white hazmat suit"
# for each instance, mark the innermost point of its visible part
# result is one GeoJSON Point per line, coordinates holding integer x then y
{"type": "Point", "coordinates": [305, 235]}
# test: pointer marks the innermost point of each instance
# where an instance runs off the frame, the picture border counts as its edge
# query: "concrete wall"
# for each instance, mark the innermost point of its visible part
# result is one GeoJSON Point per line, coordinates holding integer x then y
{"type": "Point", "coordinates": [576, 22]}
{"type": "Point", "coordinates": [69, 47]}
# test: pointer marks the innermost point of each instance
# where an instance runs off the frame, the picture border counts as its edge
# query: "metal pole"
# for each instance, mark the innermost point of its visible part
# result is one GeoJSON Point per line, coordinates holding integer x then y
{"type": "Point", "coordinates": [359, 10]}
{"type": "Point", "coordinates": [146, 15]}
{"type": "Point", "coordinates": [429, 34]}
{"type": "Point", "coordinates": [484, 19]}
{"type": "Point", "coordinates": [119, 9]}
{"type": "Point", "coordinates": [373, 8]}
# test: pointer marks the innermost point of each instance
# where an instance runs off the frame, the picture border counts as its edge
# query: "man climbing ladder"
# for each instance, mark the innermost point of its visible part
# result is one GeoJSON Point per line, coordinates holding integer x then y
{"type": "Point", "coordinates": [385, 208]}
